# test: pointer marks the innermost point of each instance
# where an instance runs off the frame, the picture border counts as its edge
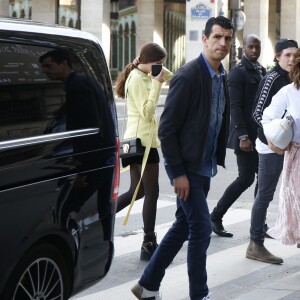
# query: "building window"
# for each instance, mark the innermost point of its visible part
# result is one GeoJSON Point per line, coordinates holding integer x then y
{"type": "Point", "coordinates": [114, 48]}
{"type": "Point", "coordinates": [69, 13]}
{"type": "Point", "coordinates": [20, 9]}
{"type": "Point", "coordinates": [174, 34]}
{"type": "Point", "coordinates": [126, 45]}
{"type": "Point", "coordinates": [120, 49]}
{"type": "Point", "coordinates": [132, 41]}
{"type": "Point", "coordinates": [123, 4]}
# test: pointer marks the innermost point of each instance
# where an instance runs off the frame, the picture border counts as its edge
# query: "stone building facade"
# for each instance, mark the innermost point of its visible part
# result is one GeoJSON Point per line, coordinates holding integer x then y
{"type": "Point", "coordinates": [123, 26]}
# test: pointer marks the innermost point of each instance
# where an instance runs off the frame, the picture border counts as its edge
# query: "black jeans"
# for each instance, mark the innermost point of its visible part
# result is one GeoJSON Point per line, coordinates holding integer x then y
{"type": "Point", "coordinates": [247, 166]}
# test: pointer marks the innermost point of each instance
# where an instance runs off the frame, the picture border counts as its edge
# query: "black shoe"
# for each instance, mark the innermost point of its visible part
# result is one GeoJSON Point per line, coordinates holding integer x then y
{"type": "Point", "coordinates": [148, 247]}
{"type": "Point", "coordinates": [217, 228]}
{"type": "Point", "coordinates": [266, 228]}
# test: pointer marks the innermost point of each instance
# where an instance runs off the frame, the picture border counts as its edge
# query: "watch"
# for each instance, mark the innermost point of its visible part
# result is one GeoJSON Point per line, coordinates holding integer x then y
{"type": "Point", "coordinates": [243, 137]}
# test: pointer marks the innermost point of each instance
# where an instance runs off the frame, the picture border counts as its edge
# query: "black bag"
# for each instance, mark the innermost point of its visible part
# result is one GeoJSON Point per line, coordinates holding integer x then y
{"type": "Point", "coordinates": [131, 147]}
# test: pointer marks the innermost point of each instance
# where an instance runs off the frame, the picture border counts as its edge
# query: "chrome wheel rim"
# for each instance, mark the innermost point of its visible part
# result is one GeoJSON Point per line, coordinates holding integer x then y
{"type": "Point", "coordinates": [42, 280]}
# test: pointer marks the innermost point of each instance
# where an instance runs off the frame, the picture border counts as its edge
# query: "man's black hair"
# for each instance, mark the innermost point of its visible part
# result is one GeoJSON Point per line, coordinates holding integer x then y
{"type": "Point", "coordinates": [58, 56]}
{"type": "Point", "coordinates": [220, 20]}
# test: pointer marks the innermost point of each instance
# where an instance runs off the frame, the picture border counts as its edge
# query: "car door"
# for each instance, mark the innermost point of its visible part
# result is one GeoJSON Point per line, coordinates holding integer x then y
{"type": "Point", "coordinates": [55, 181]}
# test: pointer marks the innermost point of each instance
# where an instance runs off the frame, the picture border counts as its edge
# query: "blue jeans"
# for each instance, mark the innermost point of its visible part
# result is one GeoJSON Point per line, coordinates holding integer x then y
{"type": "Point", "coordinates": [193, 224]}
{"type": "Point", "coordinates": [269, 170]}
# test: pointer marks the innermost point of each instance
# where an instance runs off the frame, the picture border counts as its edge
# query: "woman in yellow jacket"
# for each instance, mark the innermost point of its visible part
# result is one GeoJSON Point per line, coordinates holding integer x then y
{"type": "Point", "coordinates": [141, 90]}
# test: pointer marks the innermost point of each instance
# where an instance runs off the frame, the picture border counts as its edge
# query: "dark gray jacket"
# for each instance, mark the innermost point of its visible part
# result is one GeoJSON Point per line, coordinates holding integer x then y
{"type": "Point", "coordinates": [243, 81]}
{"type": "Point", "coordinates": [184, 122]}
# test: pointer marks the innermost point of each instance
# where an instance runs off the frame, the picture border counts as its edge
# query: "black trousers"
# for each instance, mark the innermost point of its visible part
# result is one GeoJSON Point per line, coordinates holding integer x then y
{"type": "Point", "coordinates": [247, 167]}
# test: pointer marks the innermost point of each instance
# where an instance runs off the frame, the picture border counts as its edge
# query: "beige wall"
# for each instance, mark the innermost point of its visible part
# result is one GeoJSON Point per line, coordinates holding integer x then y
{"type": "Point", "coordinates": [95, 18]}
{"type": "Point", "coordinates": [4, 8]}
{"type": "Point", "coordinates": [44, 11]}
{"type": "Point", "coordinates": [150, 22]}
{"type": "Point", "coordinates": [290, 22]}
{"type": "Point", "coordinates": [92, 17]}
{"type": "Point", "coordinates": [257, 14]}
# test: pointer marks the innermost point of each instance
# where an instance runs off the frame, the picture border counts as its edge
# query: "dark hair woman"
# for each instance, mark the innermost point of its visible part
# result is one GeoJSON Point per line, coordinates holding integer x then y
{"type": "Point", "coordinates": [141, 91]}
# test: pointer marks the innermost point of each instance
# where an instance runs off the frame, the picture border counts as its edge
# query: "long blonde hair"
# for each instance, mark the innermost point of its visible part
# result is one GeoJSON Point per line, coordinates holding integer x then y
{"type": "Point", "coordinates": [151, 52]}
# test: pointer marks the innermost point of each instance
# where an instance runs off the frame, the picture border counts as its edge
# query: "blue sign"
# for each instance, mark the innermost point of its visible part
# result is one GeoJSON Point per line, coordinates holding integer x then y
{"type": "Point", "coordinates": [201, 12]}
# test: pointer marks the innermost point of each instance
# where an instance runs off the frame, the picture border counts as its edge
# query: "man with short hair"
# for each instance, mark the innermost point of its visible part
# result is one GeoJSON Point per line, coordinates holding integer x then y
{"type": "Point", "coordinates": [193, 132]}
{"type": "Point", "coordinates": [243, 81]}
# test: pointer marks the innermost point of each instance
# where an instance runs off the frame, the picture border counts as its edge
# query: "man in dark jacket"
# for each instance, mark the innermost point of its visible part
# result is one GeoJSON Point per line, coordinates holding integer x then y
{"type": "Point", "coordinates": [85, 106]}
{"type": "Point", "coordinates": [243, 82]}
{"type": "Point", "coordinates": [193, 133]}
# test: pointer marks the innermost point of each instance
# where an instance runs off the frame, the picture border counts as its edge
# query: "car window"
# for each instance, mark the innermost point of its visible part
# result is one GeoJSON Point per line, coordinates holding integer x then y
{"type": "Point", "coordinates": [31, 104]}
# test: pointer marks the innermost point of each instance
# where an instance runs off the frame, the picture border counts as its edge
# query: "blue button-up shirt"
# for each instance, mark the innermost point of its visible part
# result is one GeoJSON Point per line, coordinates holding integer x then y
{"type": "Point", "coordinates": [209, 167]}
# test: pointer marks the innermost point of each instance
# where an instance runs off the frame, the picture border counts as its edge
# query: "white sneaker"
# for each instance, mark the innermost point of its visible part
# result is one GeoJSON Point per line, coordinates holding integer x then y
{"type": "Point", "coordinates": [142, 294]}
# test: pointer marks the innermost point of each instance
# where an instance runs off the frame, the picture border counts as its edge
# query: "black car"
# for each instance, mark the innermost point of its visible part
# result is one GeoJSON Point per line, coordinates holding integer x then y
{"type": "Point", "coordinates": [58, 182]}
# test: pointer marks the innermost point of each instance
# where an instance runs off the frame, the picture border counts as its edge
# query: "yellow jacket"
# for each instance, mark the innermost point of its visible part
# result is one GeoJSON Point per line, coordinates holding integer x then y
{"type": "Point", "coordinates": [141, 101]}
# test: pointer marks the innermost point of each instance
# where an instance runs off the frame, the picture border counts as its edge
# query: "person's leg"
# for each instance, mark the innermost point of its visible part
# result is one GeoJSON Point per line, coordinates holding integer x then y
{"type": "Point", "coordinates": [198, 218]}
{"type": "Point", "coordinates": [151, 190]}
{"type": "Point", "coordinates": [125, 199]}
{"type": "Point", "coordinates": [247, 168]}
{"type": "Point", "coordinates": [269, 170]}
{"type": "Point", "coordinates": [197, 229]}
{"type": "Point", "coordinates": [166, 251]}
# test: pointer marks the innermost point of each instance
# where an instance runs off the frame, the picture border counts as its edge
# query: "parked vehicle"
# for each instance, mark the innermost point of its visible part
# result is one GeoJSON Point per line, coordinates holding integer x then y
{"type": "Point", "coordinates": [58, 187]}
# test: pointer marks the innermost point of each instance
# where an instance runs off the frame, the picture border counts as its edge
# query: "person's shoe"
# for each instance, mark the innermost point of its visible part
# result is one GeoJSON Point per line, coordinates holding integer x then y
{"type": "Point", "coordinates": [266, 228]}
{"type": "Point", "coordinates": [298, 245]}
{"type": "Point", "coordinates": [217, 228]}
{"type": "Point", "coordinates": [142, 294]}
{"type": "Point", "coordinates": [206, 297]}
{"type": "Point", "coordinates": [149, 246]}
{"type": "Point", "coordinates": [259, 252]}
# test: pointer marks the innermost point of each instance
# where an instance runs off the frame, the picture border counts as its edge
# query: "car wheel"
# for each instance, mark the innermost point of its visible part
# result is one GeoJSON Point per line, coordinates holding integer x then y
{"type": "Point", "coordinates": [41, 274]}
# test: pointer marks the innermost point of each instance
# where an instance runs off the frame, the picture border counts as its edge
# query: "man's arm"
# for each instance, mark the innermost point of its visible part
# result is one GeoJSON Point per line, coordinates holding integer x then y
{"type": "Point", "coordinates": [236, 88]}
{"type": "Point", "coordinates": [266, 90]}
{"type": "Point", "coordinates": [171, 123]}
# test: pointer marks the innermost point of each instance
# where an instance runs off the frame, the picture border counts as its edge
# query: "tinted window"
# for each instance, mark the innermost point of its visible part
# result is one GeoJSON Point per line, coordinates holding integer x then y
{"type": "Point", "coordinates": [30, 103]}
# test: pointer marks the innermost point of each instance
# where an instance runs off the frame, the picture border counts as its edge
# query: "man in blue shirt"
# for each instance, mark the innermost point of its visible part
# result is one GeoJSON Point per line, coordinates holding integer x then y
{"type": "Point", "coordinates": [193, 132]}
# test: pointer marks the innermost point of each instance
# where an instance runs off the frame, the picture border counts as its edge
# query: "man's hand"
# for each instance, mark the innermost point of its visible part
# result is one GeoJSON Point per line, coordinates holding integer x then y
{"type": "Point", "coordinates": [182, 187]}
{"type": "Point", "coordinates": [246, 145]}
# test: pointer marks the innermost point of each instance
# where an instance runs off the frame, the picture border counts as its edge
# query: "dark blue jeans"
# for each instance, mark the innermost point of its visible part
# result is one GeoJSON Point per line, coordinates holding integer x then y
{"type": "Point", "coordinates": [247, 166]}
{"type": "Point", "coordinates": [269, 170]}
{"type": "Point", "coordinates": [193, 224]}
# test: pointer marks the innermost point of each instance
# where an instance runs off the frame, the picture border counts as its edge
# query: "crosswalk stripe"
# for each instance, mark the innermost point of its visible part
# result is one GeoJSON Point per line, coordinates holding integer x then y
{"type": "Point", "coordinates": [138, 207]}
{"type": "Point", "coordinates": [234, 264]}
{"type": "Point", "coordinates": [233, 261]}
{"type": "Point", "coordinates": [133, 240]}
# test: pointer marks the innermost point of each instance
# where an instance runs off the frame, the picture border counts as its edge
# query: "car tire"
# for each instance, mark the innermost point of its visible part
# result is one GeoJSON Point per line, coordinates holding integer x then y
{"type": "Point", "coordinates": [41, 274]}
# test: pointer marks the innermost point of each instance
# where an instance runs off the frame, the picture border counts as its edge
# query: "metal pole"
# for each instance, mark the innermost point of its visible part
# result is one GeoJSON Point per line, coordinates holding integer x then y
{"type": "Point", "coordinates": [233, 45]}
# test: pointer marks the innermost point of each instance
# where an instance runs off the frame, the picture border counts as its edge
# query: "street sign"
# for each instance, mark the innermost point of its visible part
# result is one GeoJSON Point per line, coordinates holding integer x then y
{"type": "Point", "coordinates": [200, 12]}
